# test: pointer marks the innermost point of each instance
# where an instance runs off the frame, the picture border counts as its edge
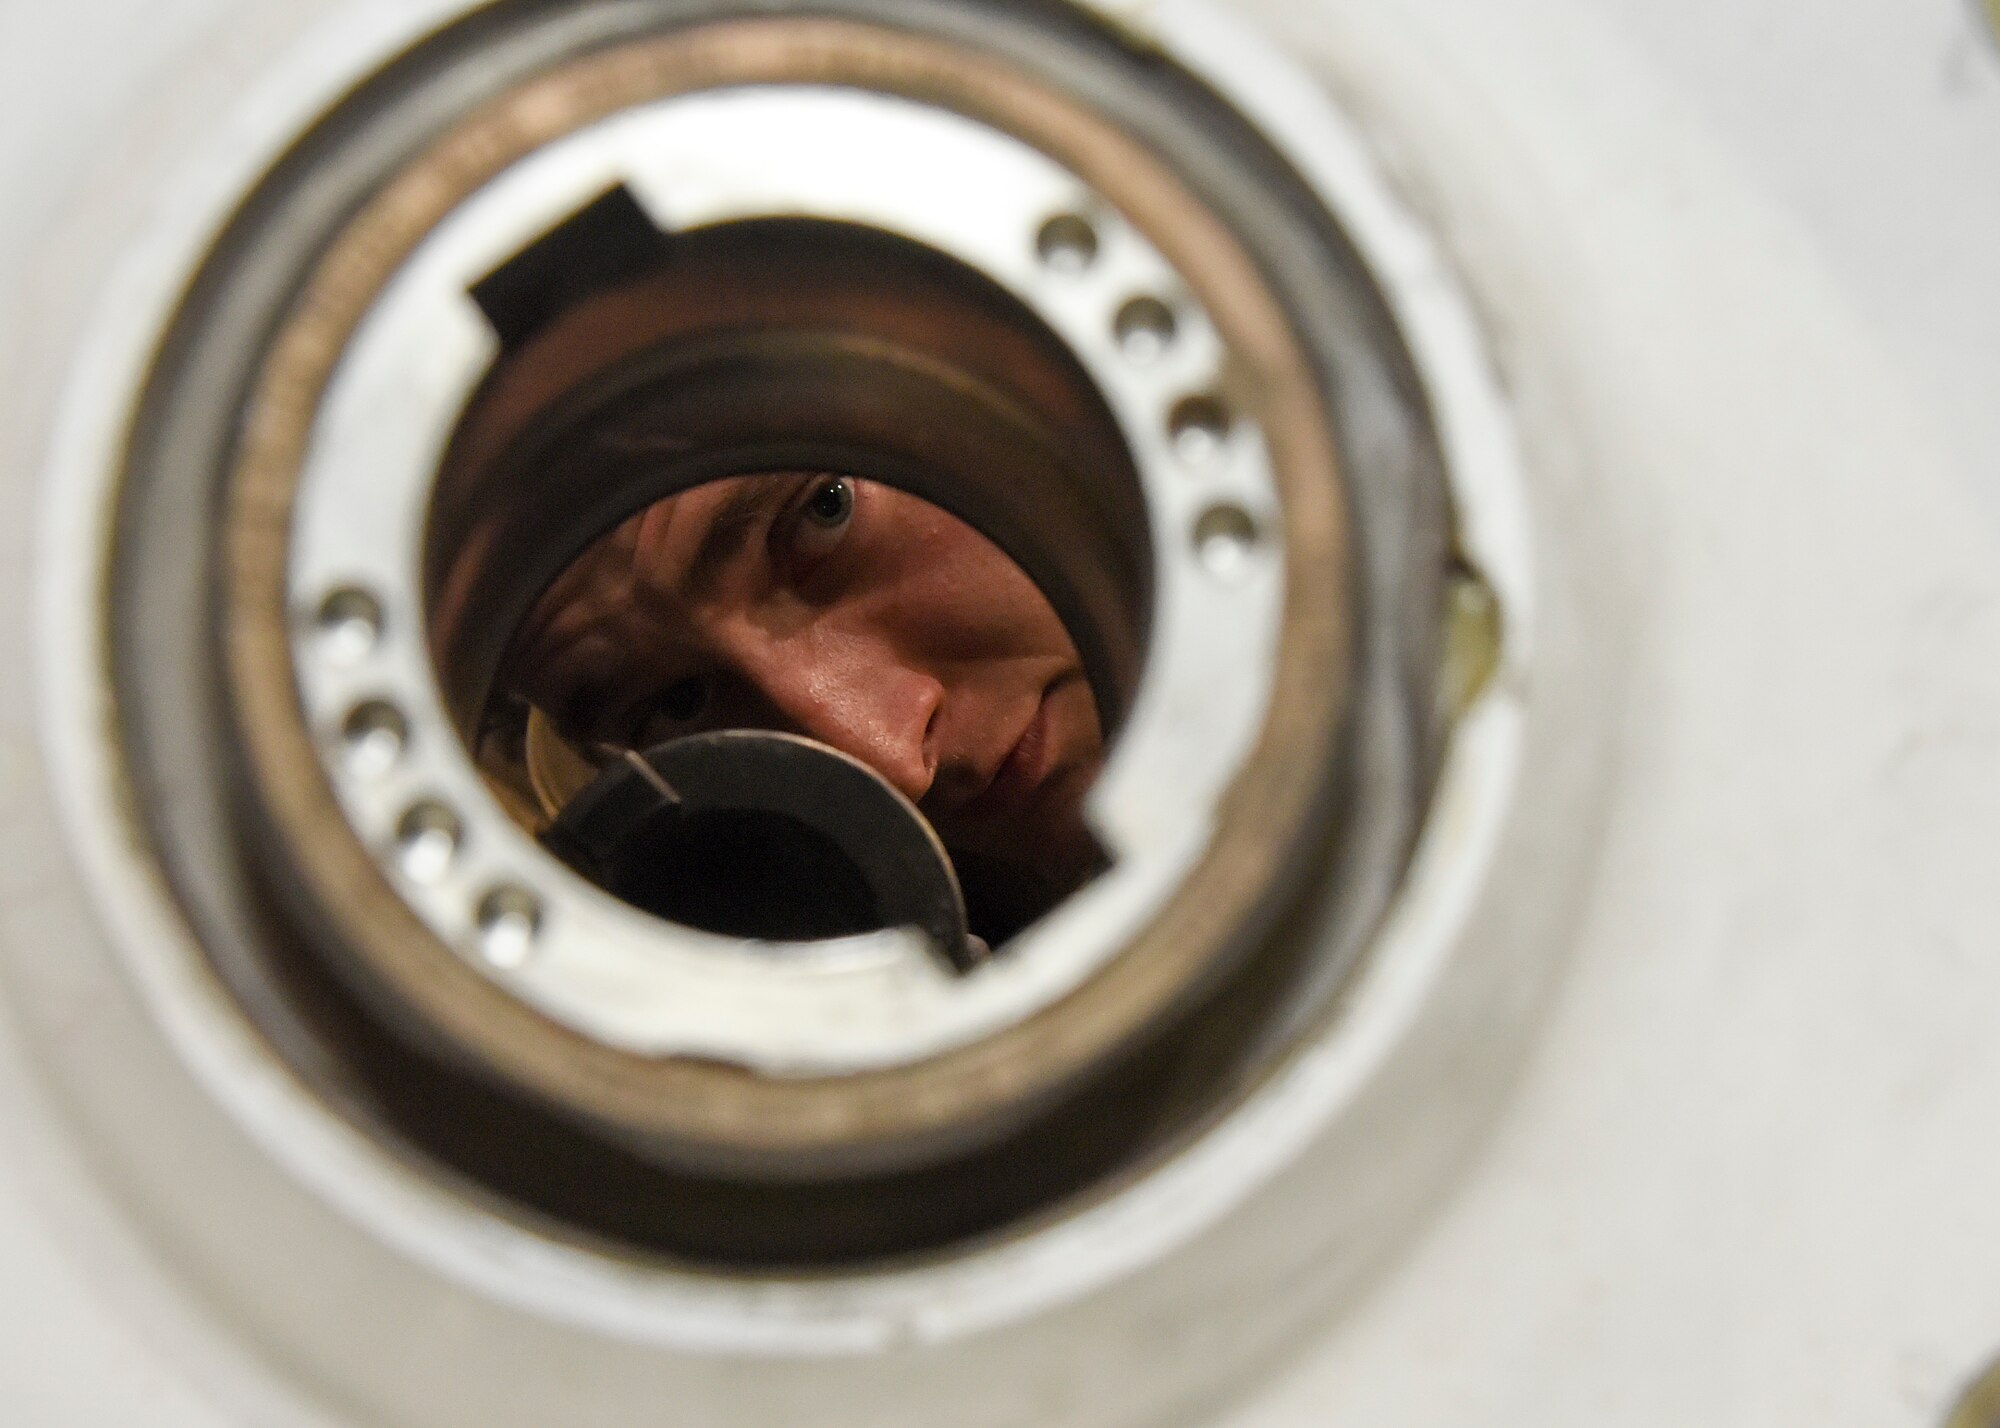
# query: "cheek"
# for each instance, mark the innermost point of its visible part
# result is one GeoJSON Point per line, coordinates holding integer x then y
{"type": "Point", "coordinates": [957, 591]}
{"type": "Point", "coordinates": [1078, 730]}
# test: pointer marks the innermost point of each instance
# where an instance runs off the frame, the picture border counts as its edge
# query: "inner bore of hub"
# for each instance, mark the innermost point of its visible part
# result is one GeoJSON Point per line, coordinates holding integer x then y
{"type": "Point", "coordinates": [796, 476]}
{"type": "Point", "coordinates": [705, 871]}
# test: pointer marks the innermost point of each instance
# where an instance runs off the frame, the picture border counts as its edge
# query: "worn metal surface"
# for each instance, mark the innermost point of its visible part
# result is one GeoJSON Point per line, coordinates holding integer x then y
{"type": "Point", "coordinates": [360, 516]}
{"type": "Point", "coordinates": [1199, 897]}
{"type": "Point", "coordinates": [1745, 1179]}
{"type": "Point", "coordinates": [968, 1092]}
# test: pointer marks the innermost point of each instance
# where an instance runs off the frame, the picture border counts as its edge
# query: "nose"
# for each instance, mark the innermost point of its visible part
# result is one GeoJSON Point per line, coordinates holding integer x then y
{"type": "Point", "coordinates": [857, 695]}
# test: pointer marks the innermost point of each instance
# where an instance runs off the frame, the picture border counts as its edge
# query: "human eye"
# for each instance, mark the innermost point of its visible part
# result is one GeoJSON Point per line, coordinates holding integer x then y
{"type": "Point", "coordinates": [820, 518]}
{"type": "Point", "coordinates": [675, 711]}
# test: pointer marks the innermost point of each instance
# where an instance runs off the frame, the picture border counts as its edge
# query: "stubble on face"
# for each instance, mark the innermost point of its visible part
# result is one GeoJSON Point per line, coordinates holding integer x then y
{"type": "Point", "coordinates": [1015, 740]}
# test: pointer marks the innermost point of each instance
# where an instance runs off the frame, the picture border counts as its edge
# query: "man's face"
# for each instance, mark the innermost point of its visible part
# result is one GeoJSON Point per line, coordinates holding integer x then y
{"type": "Point", "coordinates": [847, 611]}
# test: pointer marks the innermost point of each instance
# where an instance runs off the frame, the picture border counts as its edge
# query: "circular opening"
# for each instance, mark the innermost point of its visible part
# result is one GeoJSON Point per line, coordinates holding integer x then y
{"type": "Point", "coordinates": [1199, 426]}
{"type": "Point", "coordinates": [937, 372]}
{"type": "Point", "coordinates": [1145, 328]}
{"type": "Point", "coordinates": [1226, 540]}
{"type": "Point", "coordinates": [348, 625]}
{"type": "Point", "coordinates": [803, 477]}
{"type": "Point", "coordinates": [427, 841]}
{"type": "Point", "coordinates": [372, 738]}
{"type": "Point", "coordinates": [714, 870]}
{"type": "Point", "coordinates": [1067, 244]}
{"type": "Point", "coordinates": [507, 920]}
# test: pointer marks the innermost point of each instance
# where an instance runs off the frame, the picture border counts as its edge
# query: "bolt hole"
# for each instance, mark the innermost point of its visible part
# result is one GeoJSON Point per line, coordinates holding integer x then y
{"type": "Point", "coordinates": [1199, 426]}
{"type": "Point", "coordinates": [349, 625]}
{"type": "Point", "coordinates": [1145, 329]}
{"type": "Point", "coordinates": [1067, 243]}
{"type": "Point", "coordinates": [373, 737]}
{"type": "Point", "coordinates": [427, 840]}
{"type": "Point", "coordinates": [508, 919]}
{"type": "Point", "coordinates": [1225, 540]}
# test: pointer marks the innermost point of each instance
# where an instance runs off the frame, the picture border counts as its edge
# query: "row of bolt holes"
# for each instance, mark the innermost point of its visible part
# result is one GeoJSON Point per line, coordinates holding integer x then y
{"type": "Point", "coordinates": [429, 834]}
{"type": "Point", "coordinates": [1198, 426]}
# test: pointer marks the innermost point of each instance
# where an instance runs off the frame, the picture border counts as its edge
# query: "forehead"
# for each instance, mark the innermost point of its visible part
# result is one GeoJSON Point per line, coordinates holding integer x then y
{"type": "Point", "coordinates": [647, 571]}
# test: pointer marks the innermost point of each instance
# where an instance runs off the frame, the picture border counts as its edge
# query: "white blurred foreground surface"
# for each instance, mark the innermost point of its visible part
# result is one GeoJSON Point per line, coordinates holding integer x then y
{"type": "Point", "coordinates": [1738, 260]}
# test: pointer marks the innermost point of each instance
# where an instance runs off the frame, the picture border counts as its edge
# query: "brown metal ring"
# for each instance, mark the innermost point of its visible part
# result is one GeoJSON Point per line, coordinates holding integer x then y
{"type": "Point", "coordinates": [721, 1115]}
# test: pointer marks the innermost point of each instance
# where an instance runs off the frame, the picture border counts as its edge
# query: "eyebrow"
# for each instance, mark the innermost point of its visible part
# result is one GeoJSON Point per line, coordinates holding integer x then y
{"type": "Point", "coordinates": [729, 529]}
